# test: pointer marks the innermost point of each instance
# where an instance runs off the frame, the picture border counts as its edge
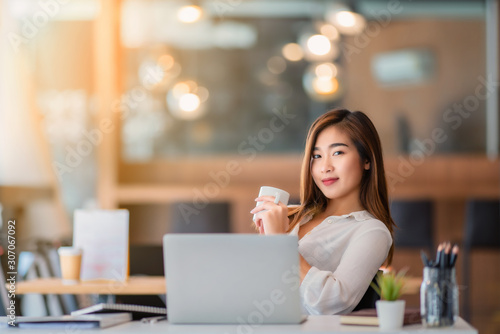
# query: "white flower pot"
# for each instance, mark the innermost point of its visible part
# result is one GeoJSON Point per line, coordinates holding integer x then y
{"type": "Point", "coordinates": [390, 314]}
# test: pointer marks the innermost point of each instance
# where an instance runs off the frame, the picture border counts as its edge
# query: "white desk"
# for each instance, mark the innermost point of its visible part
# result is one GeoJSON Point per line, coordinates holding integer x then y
{"type": "Point", "coordinates": [314, 324]}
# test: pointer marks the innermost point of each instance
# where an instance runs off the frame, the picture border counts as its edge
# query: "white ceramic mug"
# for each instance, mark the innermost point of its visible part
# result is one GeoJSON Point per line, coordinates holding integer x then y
{"type": "Point", "coordinates": [279, 195]}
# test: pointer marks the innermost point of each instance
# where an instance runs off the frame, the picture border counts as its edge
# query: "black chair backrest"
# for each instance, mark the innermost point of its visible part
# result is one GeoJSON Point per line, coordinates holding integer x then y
{"type": "Point", "coordinates": [211, 218]}
{"type": "Point", "coordinates": [414, 223]}
{"type": "Point", "coordinates": [369, 298]}
{"type": "Point", "coordinates": [482, 224]}
{"type": "Point", "coordinates": [146, 260]}
{"type": "Point", "coordinates": [482, 230]}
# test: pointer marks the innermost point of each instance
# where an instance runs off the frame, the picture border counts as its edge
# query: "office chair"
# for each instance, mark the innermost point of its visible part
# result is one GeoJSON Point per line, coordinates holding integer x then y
{"type": "Point", "coordinates": [34, 265]}
{"type": "Point", "coordinates": [144, 260]}
{"type": "Point", "coordinates": [369, 298]}
{"type": "Point", "coordinates": [414, 232]}
{"type": "Point", "coordinates": [482, 231]}
{"type": "Point", "coordinates": [414, 220]}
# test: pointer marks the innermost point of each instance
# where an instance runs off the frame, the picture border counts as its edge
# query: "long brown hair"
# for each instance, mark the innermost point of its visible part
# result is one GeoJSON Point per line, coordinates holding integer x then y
{"type": "Point", "coordinates": [373, 191]}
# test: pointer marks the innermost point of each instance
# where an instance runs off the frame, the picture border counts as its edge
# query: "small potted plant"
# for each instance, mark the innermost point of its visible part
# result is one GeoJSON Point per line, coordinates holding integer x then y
{"type": "Point", "coordinates": [390, 310]}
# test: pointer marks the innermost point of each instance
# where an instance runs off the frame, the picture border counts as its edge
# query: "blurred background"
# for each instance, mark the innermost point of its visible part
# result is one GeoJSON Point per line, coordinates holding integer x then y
{"type": "Point", "coordinates": [180, 110]}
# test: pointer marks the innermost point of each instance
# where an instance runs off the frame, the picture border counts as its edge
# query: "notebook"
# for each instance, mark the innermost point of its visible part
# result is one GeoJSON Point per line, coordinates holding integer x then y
{"type": "Point", "coordinates": [368, 317]}
{"type": "Point", "coordinates": [232, 278]}
{"type": "Point", "coordinates": [138, 311]}
{"type": "Point", "coordinates": [71, 322]}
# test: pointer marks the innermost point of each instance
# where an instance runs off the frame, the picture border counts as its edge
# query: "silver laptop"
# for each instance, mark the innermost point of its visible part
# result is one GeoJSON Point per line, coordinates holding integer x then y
{"type": "Point", "coordinates": [232, 278]}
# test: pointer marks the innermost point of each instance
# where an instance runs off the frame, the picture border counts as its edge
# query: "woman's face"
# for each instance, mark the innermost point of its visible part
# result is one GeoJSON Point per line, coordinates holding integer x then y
{"type": "Point", "coordinates": [336, 167]}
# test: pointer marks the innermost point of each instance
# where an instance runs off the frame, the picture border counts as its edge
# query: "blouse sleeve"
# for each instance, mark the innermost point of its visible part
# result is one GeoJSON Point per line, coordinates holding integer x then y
{"type": "Point", "coordinates": [338, 292]}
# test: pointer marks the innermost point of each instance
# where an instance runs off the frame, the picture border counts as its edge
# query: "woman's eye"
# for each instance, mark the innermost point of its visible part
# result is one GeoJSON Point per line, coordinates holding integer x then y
{"type": "Point", "coordinates": [338, 153]}
{"type": "Point", "coordinates": [316, 156]}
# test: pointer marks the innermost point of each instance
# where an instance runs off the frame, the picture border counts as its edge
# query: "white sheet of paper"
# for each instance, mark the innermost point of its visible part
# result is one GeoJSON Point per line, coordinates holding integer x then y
{"type": "Point", "coordinates": [103, 235]}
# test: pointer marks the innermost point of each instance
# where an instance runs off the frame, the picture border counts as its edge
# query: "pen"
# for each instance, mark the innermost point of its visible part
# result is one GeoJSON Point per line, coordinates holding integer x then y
{"type": "Point", "coordinates": [454, 254]}
{"type": "Point", "coordinates": [152, 320]}
{"type": "Point", "coordinates": [446, 259]}
{"type": "Point", "coordinates": [439, 256]}
{"type": "Point", "coordinates": [425, 260]}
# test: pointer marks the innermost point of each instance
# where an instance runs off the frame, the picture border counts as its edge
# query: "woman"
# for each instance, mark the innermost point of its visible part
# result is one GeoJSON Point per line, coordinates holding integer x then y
{"type": "Point", "coordinates": [343, 223]}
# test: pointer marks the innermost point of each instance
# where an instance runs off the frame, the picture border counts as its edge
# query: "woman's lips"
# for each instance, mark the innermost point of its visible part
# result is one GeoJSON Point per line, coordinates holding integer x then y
{"type": "Point", "coordinates": [329, 181]}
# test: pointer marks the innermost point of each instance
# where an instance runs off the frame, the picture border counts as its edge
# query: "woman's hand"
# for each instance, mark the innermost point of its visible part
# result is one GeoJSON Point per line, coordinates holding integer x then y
{"type": "Point", "coordinates": [271, 217]}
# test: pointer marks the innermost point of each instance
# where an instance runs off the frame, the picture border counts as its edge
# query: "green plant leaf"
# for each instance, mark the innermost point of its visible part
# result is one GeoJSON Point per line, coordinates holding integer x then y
{"type": "Point", "coordinates": [389, 285]}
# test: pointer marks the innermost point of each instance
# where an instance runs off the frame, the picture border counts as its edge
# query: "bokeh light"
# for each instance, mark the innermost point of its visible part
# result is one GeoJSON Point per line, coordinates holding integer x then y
{"type": "Point", "coordinates": [326, 70]}
{"type": "Point", "coordinates": [292, 52]}
{"type": "Point", "coordinates": [347, 22]}
{"type": "Point", "coordinates": [276, 65]}
{"type": "Point", "coordinates": [321, 82]}
{"type": "Point", "coordinates": [166, 61]}
{"type": "Point", "coordinates": [325, 86]}
{"type": "Point", "coordinates": [329, 31]}
{"type": "Point", "coordinates": [319, 45]}
{"type": "Point", "coordinates": [189, 102]}
{"type": "Point", "coordinates": [186, 100]}
{"type": "Point", "coordinates": [180, 89]}
{"type": "Point", "coordinates": [189, 14]}
{"type": "Point", "coordinates": [346, 19]}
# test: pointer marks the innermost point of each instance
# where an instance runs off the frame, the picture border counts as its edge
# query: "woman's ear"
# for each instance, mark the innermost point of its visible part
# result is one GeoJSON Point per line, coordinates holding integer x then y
{"type": "Point", "coordinates": [367, 165]}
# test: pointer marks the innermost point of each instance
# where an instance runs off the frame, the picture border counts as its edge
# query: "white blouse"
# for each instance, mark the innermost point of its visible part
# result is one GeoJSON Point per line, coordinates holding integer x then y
{"type": "Point", "coordinates": [345, 253]}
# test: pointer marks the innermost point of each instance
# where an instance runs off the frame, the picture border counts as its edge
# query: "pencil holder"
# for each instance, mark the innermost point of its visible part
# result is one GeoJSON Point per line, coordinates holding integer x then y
{"type": "Point", "coordinates": [439, 297]}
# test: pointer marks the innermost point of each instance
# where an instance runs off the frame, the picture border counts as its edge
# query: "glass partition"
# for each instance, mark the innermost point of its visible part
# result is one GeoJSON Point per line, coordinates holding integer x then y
{"type": "Point", "coordinates": [223, 78]}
